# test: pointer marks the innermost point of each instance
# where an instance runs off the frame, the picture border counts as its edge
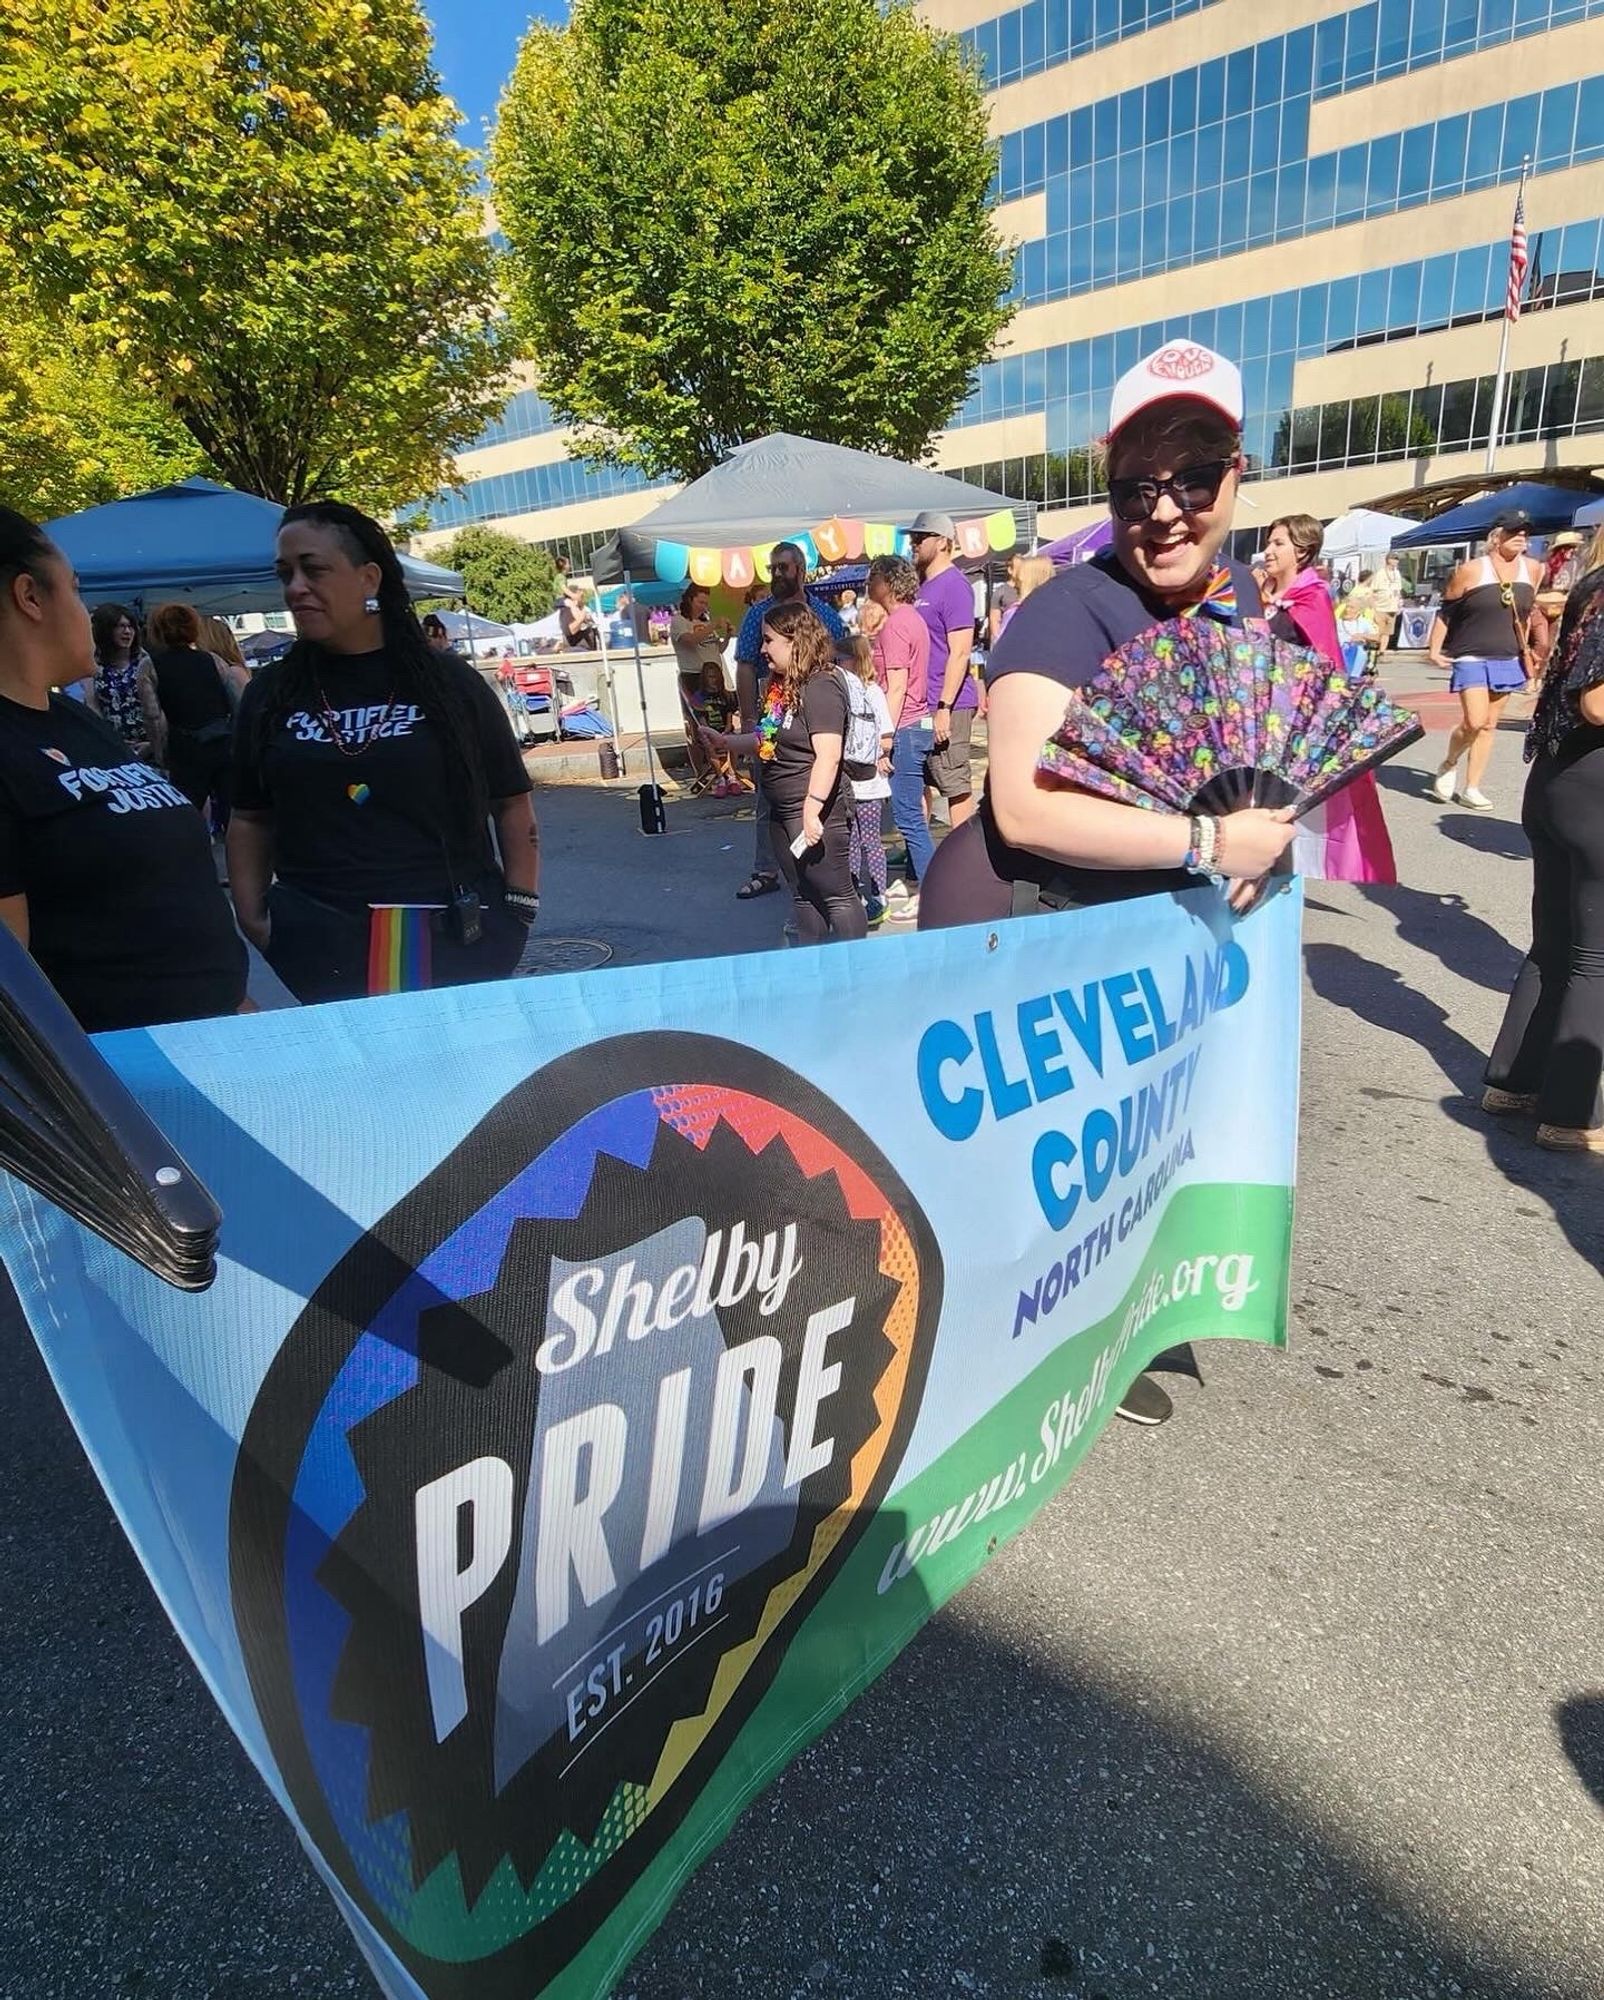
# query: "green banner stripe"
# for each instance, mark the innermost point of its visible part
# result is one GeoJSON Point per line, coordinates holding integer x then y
{"type": "Point", "coordinates": [983, 1489]}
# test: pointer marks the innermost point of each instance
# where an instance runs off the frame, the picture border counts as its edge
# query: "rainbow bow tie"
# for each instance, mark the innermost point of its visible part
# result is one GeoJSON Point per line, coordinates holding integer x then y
{"type": "Point", "coordinates": [1218, 599]}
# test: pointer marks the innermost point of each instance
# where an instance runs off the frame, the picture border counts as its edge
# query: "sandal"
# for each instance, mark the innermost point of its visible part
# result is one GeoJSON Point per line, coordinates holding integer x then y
{"type": "Point", "coordinates": [759, 883]}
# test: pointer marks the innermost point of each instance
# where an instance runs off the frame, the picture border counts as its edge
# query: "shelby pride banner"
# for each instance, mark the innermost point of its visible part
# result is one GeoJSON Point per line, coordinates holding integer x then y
{"type": "Point", "coordinates": [606, 1376]}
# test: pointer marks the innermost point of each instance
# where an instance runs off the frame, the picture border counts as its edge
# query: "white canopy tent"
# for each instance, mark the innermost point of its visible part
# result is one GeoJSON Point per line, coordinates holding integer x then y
{"type": "Point", "coordinates": [1362, 533]}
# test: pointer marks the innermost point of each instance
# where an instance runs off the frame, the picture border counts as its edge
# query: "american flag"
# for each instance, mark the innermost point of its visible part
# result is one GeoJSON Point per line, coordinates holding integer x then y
{"type": "Point", "coordinates": [1517, 257]}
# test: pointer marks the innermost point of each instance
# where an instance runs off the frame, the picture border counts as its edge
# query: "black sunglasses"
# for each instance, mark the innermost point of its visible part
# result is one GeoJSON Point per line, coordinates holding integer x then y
{"type": "Point", "coordinates": [1192, 490]}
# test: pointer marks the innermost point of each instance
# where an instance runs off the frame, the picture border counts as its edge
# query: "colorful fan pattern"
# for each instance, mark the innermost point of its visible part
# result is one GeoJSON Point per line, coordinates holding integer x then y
{"type": "Point", "coordinates": [1196, 716]}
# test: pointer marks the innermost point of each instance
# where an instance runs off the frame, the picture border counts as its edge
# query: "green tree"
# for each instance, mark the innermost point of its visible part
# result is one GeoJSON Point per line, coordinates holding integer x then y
{"type": "Point", "coordinates": [507, 580]}
{"type": "Point", "coordinates": [261, 217]}
{"type": "Point", "coordinates": [730, 220]}
{"type": "Point", "coordinates": [76, 432]}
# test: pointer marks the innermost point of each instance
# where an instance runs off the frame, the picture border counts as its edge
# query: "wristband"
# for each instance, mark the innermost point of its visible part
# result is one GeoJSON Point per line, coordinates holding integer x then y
{"type": "Point", "coordinates": [815, 800]}
{"type": "Point", "coordinates": [524, 904]}
{"type": "Point", "coordinates": [940, 705]}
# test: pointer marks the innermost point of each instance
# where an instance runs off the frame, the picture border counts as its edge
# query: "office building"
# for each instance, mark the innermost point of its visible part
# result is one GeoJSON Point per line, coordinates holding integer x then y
{"type": "Point", "coordinates": [1329, 203]}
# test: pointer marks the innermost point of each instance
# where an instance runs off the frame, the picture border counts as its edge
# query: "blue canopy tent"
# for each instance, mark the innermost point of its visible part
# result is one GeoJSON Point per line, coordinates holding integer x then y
{"type": "Point", "coordinates": [1550, 507]}
{"type": "Point", "coordinates": [198, 541]}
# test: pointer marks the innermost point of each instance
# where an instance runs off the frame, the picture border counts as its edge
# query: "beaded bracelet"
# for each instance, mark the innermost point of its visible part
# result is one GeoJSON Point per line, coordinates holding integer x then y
{"type": "Point", "coordinates": [1203, 849]}
{"type": "Point", "coordinates": [524, 904]}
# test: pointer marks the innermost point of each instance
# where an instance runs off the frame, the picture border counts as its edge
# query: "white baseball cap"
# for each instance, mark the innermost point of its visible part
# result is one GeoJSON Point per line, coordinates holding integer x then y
{"type": "Point", "coordinates": [1180, 368]}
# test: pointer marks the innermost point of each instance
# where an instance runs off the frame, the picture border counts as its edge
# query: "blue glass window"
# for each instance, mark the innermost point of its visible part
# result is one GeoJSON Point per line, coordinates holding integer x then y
{"type": "Point", "coordinates": [1238, 148]}
{"type": "Point", "coordinates": [1520, 131]}
{"type": "Point", "coordinates": [1157, 109]}
{"type": "Point", "coordinates": [1590, 118]}
{"type": "Point", "coordinates": [1330, 40]}
{"type": "Point", "coordinates": [1183, 101]}
{"type": "Point", "coordinates": [1211, 92]}
{"type": "Point", "coordinates": [1392, 37]}
{"type": "Point", "coordinates": [1362, 35]}
{"type": "Point", "coordinates": [1352, 182]}
{"type": "Point", "coordinates": [1383, 176]}
{"type": "Point", "coordinates": [1265, 152]}
{"type": "Point", "coordinates": [1414, 166]}
{"type": "Point", "coordinates": [1239, 81]}
{"type": "Point", "coordinates": [1448, 160]}
{"type": "Point", "coordinates": [1426, 32]}
{"type": "Point", "coordinates": [1556, 126]}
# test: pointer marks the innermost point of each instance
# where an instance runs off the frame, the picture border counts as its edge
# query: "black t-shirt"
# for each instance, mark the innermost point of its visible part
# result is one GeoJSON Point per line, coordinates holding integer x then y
{"type": "Point", "coordinates": [1068, 628]}
{"type": "Point", "coordinates": [190, 689]}
{"type": "Point", "coordinates": [125, 913]}
{"type": "Point", "coordinates": [373, 823]}
{"type": "Point", "coordinates": [1066, 631]}
{"type": "Point", "coordinates": [823, 712]}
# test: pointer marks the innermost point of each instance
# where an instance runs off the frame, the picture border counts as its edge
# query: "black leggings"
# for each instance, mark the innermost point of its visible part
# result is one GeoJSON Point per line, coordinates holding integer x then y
{"type": "Point", "coordinates": [827, 905]}
{"type": "Point", "coordinates": [1552, 1040]}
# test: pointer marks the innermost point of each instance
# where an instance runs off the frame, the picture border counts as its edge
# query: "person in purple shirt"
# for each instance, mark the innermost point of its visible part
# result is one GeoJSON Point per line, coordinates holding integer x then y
{"type": "Point", "coordinates": [946, 602]}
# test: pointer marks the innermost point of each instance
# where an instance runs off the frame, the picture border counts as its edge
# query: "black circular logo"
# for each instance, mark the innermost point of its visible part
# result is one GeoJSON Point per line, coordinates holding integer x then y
{"type": "Point", "coordinates": [546, 1476]}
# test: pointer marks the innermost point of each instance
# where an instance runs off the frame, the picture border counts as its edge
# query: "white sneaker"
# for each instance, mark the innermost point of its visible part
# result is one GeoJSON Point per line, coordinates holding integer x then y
{"type": "Point", "coordinates": [897, 895]}
{"type": "Point", "coordinates": [1475, 800]}
{"type": "Point", "coordinates": [905, 912]}
{"type": "Point", "coordinates": [1442, 786]}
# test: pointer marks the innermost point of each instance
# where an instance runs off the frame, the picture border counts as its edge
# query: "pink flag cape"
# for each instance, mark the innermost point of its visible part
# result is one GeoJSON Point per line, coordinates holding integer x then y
{"type": "Point", "coordinates": [1346, 839]}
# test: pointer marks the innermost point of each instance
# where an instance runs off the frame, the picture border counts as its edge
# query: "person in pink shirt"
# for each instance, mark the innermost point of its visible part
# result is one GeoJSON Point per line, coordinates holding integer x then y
{"type": "Point", "coordinates": [900, 639]}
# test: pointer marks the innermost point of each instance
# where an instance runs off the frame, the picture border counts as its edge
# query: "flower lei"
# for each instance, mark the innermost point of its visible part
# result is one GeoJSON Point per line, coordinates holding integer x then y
{"type": "Point", "coordinates": [768, 723]}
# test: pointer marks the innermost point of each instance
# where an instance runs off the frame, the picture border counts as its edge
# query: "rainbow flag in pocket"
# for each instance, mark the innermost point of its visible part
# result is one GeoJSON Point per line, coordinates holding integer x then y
{"type": "Point", "coordinates": [398, 947]}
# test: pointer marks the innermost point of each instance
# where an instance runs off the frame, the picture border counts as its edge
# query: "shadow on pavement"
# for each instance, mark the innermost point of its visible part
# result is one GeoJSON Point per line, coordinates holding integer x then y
{"type": "Point", "coordinates": [1571, 1185]}
{"type": "Point", "coordinates": [1443, 927]}
{"type": "Point", "coordinates": [984, 1820]}
{"type": "Point", "coordinates": [1385, 999]}
{"type": "Point", "coordinates": [1486, 833]}
{"type": "Point", "coordinates": [1580, 1722]}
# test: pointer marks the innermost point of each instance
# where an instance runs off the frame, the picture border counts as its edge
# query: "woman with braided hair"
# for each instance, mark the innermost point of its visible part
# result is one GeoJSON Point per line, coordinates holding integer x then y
{"type": "Point", "coordinates": [369, 770]}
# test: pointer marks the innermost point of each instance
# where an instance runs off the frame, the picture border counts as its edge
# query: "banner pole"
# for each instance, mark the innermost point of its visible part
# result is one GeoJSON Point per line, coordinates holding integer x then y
{"type": "Point", "coordinates": [612, 691]}
{"type": "Point", "coordinates": [652, 818]}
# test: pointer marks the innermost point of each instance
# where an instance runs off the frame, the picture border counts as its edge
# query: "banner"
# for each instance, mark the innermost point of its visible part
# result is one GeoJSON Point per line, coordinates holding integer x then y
{"type": "Point", "coordinates": [607, 1375]}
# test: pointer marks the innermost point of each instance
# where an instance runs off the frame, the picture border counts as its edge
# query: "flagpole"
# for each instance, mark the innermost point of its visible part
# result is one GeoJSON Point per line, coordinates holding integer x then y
{"type": "Point", "coordinates": [1501, 381]}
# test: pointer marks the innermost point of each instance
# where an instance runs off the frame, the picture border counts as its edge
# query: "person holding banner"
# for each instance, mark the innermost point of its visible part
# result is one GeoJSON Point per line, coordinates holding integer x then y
{"type": "Point", "coordinates": [368, 769]}
{"type": "Point", "coordinates": [1174, 462]}
{"type": "Point", "coordinates": [106, 870]}
{"type": "Point", "coordinates": [798, 743]}
{"type": "Point", "coordinates": [788, 574]}
{"type": "Point", "coordinates": [1548, 1060]}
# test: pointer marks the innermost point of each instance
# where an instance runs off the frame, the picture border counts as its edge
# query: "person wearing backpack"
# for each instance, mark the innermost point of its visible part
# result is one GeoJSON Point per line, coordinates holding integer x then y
{"type": "Point", "coordinates": [866, 757]}
{"type": "Point", "coordinates": [801, 728]}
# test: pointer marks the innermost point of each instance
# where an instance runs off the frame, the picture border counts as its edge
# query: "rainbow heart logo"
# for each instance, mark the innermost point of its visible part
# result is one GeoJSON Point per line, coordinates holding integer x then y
{"type": "Point", "coordinates": [358, 794]}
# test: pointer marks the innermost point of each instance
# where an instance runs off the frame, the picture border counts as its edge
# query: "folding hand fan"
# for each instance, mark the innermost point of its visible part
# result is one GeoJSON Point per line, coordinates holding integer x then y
{"type": "Point", "coordinates": [1197, 716]}
{"type": "Point", "coordinates": [71, 1129]}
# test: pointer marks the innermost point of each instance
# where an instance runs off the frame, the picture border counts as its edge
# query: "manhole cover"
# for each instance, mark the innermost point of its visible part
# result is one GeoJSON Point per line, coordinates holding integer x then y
{"type": "Point", "coordinates": [549, 954]}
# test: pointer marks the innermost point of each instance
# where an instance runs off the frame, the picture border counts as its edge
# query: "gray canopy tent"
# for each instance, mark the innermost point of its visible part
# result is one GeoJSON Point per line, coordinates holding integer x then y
{"type": "Point", "coordinates": [782, 485]}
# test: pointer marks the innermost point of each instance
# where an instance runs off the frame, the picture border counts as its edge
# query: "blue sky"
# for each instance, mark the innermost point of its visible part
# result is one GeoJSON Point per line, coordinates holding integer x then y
{"type": "Point", "coordinates": [475, 42]}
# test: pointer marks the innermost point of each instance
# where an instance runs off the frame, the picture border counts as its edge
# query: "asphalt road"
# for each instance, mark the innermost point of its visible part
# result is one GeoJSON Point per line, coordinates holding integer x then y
{"type": "Point", "coordinates": [1300, 1696]}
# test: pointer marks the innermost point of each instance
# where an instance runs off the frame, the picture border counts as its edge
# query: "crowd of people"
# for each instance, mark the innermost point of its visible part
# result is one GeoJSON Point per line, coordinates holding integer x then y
{"type": "Point", "coordinates": [378, 818]}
